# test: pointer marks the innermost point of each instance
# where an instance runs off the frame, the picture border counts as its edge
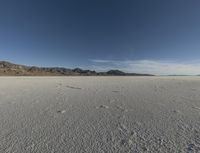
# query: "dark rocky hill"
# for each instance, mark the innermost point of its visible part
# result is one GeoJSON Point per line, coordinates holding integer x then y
{"type": "Point", "coordinates": [10, 69]}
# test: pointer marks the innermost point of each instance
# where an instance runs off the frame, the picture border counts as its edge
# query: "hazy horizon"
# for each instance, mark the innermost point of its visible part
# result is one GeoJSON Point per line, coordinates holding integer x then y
{"type": "Point", "coordinates": [155, 37]}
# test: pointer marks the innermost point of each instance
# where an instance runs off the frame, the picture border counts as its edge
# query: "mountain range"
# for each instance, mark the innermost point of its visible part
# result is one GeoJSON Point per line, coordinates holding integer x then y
{"type": "Point", "coordinates": [10, 69]}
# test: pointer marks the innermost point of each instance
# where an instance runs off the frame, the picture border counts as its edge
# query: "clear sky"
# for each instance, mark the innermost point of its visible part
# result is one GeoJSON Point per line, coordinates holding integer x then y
{"type": "Point", "coordinates": [154, 36]}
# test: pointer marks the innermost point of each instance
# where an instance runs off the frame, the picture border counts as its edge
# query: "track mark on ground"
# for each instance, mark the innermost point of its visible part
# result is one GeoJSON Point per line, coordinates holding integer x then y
{"type": "Point", "coordinates": [198, 108]}
{"type": "Point", "coordinates": [103, 106]}
{"type": "Point", "coordinates": [61, 111]}
{"type": "Point", "coordinates": [121, 108]}
{"type": "Point", "coordinates": [116, 91]}
{"type": "Point", "coordinates": [72, 87]}
{"type": "Point", "coordinates": [112, 101]}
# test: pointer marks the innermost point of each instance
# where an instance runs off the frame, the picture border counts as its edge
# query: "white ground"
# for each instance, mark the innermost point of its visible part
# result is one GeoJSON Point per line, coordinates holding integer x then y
{"type": "Point", "coordinates": [99, 114]}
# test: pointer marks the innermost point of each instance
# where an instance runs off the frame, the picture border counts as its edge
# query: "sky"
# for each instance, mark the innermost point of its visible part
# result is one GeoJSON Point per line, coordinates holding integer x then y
{"type": "Point", "coordinates": [142, 36]}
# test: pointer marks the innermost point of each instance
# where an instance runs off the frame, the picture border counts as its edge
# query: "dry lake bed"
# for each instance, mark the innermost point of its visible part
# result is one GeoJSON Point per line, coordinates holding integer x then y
{"type": "Point", "coordinates": [99, 114]}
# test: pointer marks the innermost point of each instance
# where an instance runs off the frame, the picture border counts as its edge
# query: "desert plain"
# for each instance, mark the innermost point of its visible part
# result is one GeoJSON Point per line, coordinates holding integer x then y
{"type": "Point", "coordinates": [100, 114]}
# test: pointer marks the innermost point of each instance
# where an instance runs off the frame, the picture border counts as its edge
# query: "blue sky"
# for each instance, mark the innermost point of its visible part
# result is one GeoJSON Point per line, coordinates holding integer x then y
{"type": "Point", "coordinates": [160, 37]}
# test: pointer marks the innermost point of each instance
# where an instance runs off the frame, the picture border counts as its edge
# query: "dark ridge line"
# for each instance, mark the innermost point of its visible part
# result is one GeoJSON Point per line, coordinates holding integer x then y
{"type": "Point", "coordinates": [10, 69]}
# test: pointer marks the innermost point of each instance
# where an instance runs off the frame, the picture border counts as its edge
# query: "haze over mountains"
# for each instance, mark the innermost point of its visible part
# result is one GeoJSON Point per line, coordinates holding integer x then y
{"type": "Point", "coordinates": [10, 69]}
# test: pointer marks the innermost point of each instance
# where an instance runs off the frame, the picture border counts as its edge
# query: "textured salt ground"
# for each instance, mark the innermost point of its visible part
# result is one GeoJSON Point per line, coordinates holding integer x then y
{"type": "Point", "coordinates": [99, 114]}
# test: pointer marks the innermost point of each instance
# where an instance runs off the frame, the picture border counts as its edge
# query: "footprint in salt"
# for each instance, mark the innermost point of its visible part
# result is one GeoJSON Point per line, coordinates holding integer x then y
{"type": "Point", "coordinates": [177, 111]}
{"type": "Point", "coordinates": [74, 87]}
{"type": "Point", "coordinates": [59, 85]}
{"type": "Point", "coordinates": [103, 106]}
{"type": "Point", "coordinates": [121, 108]}
{"type": "Point", "coordinates": [112, 101]}
{"type": "Point", "coordinates": [198, 108]}
{"type": "Point", "coordinates": [61, 111]}
{"type": "Point", "coordinates": [116, 91]}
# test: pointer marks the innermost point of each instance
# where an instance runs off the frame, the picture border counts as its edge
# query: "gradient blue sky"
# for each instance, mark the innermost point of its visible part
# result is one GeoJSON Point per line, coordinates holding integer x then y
{"type": "Point", "coordinates": [158, 36]}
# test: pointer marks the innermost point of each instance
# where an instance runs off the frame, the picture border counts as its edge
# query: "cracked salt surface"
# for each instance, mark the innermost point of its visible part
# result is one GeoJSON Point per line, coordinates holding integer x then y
{"type": "Point", "coordinates": [99, 114]}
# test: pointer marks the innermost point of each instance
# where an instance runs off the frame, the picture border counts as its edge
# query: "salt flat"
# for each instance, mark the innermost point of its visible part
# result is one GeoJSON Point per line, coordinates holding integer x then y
{"type": "Point", "coordinates": [99, 114]}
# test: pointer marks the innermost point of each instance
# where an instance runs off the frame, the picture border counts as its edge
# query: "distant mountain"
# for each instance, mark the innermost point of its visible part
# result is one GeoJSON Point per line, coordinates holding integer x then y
{"type": "Point", "coordinates": [115, 72]}
{"type": "Point", "coordinates": [10, 69]}
{"type": "Point", "coordinates": [179, 75]}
